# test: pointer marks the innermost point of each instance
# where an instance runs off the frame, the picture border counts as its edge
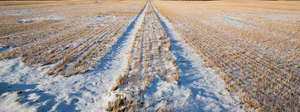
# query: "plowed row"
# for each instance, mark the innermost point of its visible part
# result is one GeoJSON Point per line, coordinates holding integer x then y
{"type": "Point", "coordinates": [150, 60]}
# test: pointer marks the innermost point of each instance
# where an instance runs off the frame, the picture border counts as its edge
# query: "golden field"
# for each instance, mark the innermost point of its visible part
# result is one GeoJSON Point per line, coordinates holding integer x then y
{"type": "Point", "coordinates": [254, 46]}
{"type": "Point", "coordinates": [151, 55]}
{"type": "Point", "coordinates": [69, 33]}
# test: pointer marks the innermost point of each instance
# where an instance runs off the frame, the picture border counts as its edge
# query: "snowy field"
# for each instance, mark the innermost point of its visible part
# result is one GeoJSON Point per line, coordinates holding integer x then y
{"type": "Point", "coordinates": [253, 46]}
{"type": "Point", "coordinates": [136, 55]}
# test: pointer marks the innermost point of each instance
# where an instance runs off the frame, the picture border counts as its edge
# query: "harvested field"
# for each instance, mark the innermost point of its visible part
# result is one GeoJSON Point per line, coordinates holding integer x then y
{"type": "Point", "coordinates": [253, 46]}
{"type": "Point", "coordinates": [149, 55]}
{"type": "Point", "coordinates": [74, 38]}
{"type": "Point", "coordinates": [149, 60]}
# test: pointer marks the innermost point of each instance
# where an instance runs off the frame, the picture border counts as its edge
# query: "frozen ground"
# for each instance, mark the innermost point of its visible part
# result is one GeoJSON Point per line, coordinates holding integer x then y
{"type": "Point", "coordinates": [29, 88]}
{"type": "Point", "coordinates": [230, 36]}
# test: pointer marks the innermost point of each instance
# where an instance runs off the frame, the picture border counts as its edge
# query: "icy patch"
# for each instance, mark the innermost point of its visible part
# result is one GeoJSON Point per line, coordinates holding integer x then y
{"type": "Point", "coordinates": [17, 12]}
{"type": "Point", "coordinates": [230, 20]}
{"type": "Point", "coordinates": [280, 16]}
{"type": "Point", "coordinates": [27, 9]}
{"type": "Point", "coordinates": [39, 19]}
{"type": "Point", "coordinates": [277, 17]}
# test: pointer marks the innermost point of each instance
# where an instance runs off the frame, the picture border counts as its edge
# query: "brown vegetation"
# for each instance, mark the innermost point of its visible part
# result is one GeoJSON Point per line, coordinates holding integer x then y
{"type": "Point", "coordinates": [73, 42]}
{"type": "Point", "coordinates": [149, 59]}
{"type": "Point", "coordinates": [256, 55]}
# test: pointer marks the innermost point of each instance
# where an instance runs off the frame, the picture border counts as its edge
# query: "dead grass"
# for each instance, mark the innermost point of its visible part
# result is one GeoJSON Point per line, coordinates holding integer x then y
{"type": "Point", "coordinates": [148, 60]}
{"type": "Point", "coordinates": [256, 49]}
{"type": "Point", "coordinates": [75, 42]}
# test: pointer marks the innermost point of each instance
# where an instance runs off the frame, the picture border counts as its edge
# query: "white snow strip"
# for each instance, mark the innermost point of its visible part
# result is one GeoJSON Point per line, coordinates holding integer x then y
{"type": "Point", "coordinates": [114, 63]}
{"type": "Point", "coordinates": [30, 9]}
{"type": "Point", "coordinates": [231, 20]}
{"type": "Point", "coordinates": [39, 19]}
{"type": "Point", "coordinates": [200, 88]}
{"type": "Point", "coordinates": [17, 12]}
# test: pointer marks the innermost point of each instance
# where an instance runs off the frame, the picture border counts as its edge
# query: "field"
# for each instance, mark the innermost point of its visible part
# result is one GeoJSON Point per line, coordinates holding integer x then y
{"type": "Point", "coordinates": [138, 55]}
{"type": "Point", "coordinates": [254, 47]}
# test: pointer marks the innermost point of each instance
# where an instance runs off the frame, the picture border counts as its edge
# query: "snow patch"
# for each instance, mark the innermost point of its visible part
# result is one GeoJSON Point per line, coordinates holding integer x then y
{"type": "Point", "coordinates": [230, 20]}
{"type": "Point", "coordinates": [10, 101]}
{"type": "Point", "coordinates": [17, 12]}
{"type": "Point", "coordinates": [39, 19]}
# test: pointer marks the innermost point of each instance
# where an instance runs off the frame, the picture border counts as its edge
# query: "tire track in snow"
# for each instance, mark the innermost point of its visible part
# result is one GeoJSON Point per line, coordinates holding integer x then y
{"type": "Point", "coordinates": [200, 88]}
{"type": "Point", "coordinates": [115, 60]}
{"type": "Point", "coordinates": [150, 63]}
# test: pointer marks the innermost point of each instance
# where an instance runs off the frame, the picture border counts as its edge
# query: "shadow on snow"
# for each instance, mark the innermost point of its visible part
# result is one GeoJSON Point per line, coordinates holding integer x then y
{"type": "Point", "coordinates": [105, 62]}
{"type": "Point", "coordinates": [45, 101]}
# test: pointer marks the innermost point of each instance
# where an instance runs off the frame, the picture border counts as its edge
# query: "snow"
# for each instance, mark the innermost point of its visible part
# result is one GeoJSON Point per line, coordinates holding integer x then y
{"type": "Point", "coordinates": [84, 92]}
{"type": "Point", "coordinates": [205, 89]}
{"type": "Point", "coordinates": [40, 19]}
{"type": "Point", "coordinates": [199, 89]}
{"type": "Point", "coordinates": [30, 9]}
{"type": "Point", "coordinates": [3, 48]}
{"type": "Point", "coordinates": [113, 63]}
{"type": "Point", "coordinates": [17, 12]}
{"type": "Point", "coordinates": [231, 20]}
{"type": "Point", "coordinates": [278, 17]}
